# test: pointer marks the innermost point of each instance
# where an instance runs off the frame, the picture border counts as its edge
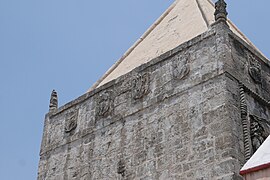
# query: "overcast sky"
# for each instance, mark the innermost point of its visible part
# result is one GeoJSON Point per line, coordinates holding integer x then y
{"type": "Point", "coordinates": [67, 45]}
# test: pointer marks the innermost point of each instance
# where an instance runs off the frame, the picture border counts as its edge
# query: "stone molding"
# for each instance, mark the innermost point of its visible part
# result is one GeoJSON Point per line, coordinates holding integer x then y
{"type": "Point", "coordinates": [244, 111]}
{"type": "Point", "coordinates": [89, 131]}
{"type": "Point", "coordinates": [155, 61]}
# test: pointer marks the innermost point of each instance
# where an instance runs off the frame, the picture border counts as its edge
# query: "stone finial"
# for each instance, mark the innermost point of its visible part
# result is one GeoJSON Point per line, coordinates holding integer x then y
{"type": "Point", "coordinates": [53, 101]}
{"type": "Point", "coordinates": [221, 12]}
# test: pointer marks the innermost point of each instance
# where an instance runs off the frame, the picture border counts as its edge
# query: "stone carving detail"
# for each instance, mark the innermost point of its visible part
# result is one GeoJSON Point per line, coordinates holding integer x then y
{"type": "Point", "coordinates": [255, 129]}
{"type": "Point", "coordinates": [53, 101]}
{"type": "Point", "coordinates": [140, 86]}
{"type": "Point", "coordinates": [243, 107]}
{"type": "Point", "coordinates": [254, 69]}
{"type": "Point", "coordinates": [105, 104]}
{"type": "Point", "coordinates": [181, 67]}
{"type": "Point", "coordinates": [259, 131]}
{"type": "Point", "coordinates": [221, 12]}
{"type": "Point", "coordinates": [121, 169]}
{"type": "Point", "coordinates": [125, 86]}
{"type": "Point", "coordinates": [71, 121]}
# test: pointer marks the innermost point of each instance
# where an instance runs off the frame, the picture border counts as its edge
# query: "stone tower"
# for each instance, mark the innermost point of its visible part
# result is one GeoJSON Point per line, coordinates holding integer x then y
{"type": "Point", "coordinates": [190, 100]}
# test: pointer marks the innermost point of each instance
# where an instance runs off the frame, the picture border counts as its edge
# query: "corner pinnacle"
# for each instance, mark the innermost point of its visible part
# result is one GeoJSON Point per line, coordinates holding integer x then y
{"type": "Point", "coordinates": [221, 11]}
{"type": "Point", "coordinates": [53, 101]}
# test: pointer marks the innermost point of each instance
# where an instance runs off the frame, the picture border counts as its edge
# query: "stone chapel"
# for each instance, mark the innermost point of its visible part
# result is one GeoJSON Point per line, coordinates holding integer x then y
{"type": "Point", "coordinates": [190, 100]}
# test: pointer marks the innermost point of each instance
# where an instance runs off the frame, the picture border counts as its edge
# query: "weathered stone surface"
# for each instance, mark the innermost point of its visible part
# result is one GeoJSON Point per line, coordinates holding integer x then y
{"type": "Point", "coordinates": [165, 124]}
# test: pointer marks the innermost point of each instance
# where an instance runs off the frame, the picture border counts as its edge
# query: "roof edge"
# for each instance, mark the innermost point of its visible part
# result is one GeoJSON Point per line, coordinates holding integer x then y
{"type": "Point", "coordinates": [245, 38]}
{"type": "Point", "coordinates": [148, 31]}
{"type": "Point", "coordinates": [254, 169]}
{"type": "Point", "coordinates": [154, 61]}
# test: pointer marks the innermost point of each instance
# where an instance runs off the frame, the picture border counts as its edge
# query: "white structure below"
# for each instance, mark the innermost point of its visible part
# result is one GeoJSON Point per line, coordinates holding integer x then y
{"type": "Point", "coordinates": [258, 166]}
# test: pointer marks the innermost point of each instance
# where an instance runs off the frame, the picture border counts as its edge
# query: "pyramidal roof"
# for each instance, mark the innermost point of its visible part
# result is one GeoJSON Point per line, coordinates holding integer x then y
{"type": "Point", "coordinates": [260, 159]}
{"type": "Point", "coordinates": [182, 21]}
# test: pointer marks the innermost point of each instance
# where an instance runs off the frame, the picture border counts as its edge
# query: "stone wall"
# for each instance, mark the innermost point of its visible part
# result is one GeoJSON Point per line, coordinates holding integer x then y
{"type": "Point", "coordinates": [250, 74]}
{"type": "Point", "coordinates": [176, 117]}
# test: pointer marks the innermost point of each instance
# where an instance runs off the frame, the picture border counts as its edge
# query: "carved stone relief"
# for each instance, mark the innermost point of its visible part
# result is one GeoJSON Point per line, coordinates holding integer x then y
{"type": "Point", "coordinates": [254, 69]}
{"type": "Point", "coordinates": [71, 121]}
{"type": "Point", "coordinates": [105, 104]}
{"type": "Point", "coordinates": [244, 111]}
{"type": "Point", "coordinates": [181, 67]}
{"type": "Point", "coordinates": [140, 85]}
{"type": "Point", "coordinates": [125, 86]}
{"type": "Point", "coordinates": [255, 129]}
{"type": "Point", "coordinates": [121, 169]}
{"type": "Point", "coordinates": [259, 131]}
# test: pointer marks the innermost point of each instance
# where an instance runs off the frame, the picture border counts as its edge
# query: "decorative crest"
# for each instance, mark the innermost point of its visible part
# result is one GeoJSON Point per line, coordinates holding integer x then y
{"type": "Point", "coordinates": [53, 101]}
{"type": "Point", "coordinates": [71, 121]}
{"type": "Point", "coordinates": [181, 67]}
{"type": "Point", "coordinates": [221, 12]}
{"type": "Point", "coordinates": [105, 104]}
{"type": "Point", "coordinates": [140, 85]}
{"type": "Point", "coordinates": [255, 69]}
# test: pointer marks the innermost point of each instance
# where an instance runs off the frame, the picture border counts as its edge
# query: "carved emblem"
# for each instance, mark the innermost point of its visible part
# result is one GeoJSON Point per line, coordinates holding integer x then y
{"type": "Point", "coordinates": [125, 86]}
{"type": "Point", "coordinates": [181, 67]}
{"type": "Point", "coordinates": [140, 86]}
{"type": "Point", "coordinates": [105, 104]}
{"type": "Point", "coordinates": [255, 129]}
{"type": "Point", "coordinates": [254, 69]}
{"type": "Point", "coordinates": [221, 12]}
{"type": "Point", "coordinates": [259, 131]}
{"type": "Point", "coordinates": [71, 121]}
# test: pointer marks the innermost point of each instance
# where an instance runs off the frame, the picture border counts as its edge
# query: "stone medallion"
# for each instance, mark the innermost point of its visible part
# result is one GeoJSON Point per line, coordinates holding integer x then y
{"type": "Point", "coordinates": [71, 121]}
{"type": "Point", "coordinates": [254, 69]}
{"type": "Point", "coordinates": [140, 85]}
{"type": "Point", "coordinates": [181, 67]}
{"type": "Point", "coordinates": [105, 104]}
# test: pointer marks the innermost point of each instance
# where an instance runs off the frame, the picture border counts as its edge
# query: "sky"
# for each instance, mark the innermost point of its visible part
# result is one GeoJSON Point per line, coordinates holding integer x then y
{"type": "Point", "coordinates": [67, 45]}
